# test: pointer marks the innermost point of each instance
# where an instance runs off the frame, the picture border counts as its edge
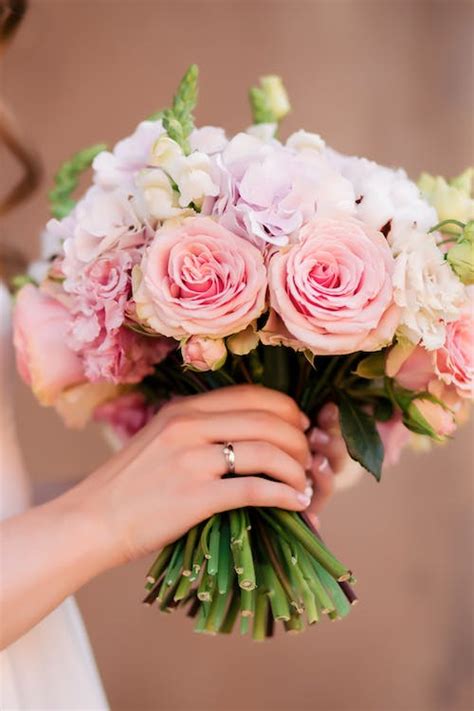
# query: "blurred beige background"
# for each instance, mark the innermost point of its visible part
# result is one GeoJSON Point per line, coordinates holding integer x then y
{"type": "Point", "coordinates": [389, 79]}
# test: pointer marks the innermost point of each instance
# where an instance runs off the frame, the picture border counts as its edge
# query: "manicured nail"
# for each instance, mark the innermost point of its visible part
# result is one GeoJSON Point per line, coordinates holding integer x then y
{"type": "Point", "coordinates": [332, 411]}
{"type": "Point", "coordinates": [314, 520]}
{"type": "Point", "coordinates": [303, 499]}
{"type": "Point", "coordinates": [309, 492]}
{"type": "Point", "coordinates": [320, 437]}
{"type": "Point", "coordinates": [323, 468]}
{"type": "Point", "coordinates": [305, 421]}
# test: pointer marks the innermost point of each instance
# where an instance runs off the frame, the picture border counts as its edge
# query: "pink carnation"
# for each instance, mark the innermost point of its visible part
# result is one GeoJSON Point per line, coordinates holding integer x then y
{"type": "Point", "coordinates": [333, 290]}
{"type": "Point", "coordinates": [101, 293]}
{"type": "Point", "coordinates": [454, 361]}
{"type": "Point", "coordinates": [126, 415]}
{"type": "Point", "coordinates": [197, 278]}
{"type": "Point", "coordinates": [123, 356]}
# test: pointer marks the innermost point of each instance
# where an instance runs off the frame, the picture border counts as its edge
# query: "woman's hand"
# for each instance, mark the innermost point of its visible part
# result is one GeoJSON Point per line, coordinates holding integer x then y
{"type": "Point", "coordinates": [330, 457]}
{"type": "Point", "coordinates": [170, 475]}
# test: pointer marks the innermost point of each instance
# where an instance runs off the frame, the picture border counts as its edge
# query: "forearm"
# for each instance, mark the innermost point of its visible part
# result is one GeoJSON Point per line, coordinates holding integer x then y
{"type": "Point", "coordinates": [47, 553]}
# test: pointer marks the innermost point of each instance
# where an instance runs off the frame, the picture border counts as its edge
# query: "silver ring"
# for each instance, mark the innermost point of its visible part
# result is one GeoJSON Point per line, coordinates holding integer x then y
{"type": "Point", "coordinates": [229, 456]}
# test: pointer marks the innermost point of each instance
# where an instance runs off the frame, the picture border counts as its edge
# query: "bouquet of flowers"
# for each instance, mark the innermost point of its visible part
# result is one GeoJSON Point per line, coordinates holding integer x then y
{"type": "Point", "coordinates": [197, 261]}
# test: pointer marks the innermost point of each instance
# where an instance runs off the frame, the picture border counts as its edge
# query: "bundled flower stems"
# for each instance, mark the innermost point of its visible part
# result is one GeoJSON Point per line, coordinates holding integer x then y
{"type": "Point", "coordinates": [197, 261]}
{"type": "Point", "coordinates": [258, 565]}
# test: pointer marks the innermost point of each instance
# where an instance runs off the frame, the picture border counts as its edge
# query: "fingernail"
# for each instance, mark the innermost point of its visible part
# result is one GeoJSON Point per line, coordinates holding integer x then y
{"type": "Point", "coordinates": [318, 436]}
{"type": "Point", "coordinates": [309, 492]}
{"type": "Point", "coordinates": [314, 520]}
{"type": "Point", "coordinates": [303, 499]}
{"type": "Point", "coordinates": [332, 411]}
{"type": "Point", "coordinates": [324, 466]}
{"type": "Point", "coordinates": [305, 421]}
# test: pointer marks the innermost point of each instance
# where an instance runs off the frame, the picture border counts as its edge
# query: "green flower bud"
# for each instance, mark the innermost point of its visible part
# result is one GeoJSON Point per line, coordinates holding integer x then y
{"type": "Point", "coordinates": [452, 199]}
{"type": "Point", "coordinates": [276, 97]}
{"type": "Point", "coordinates": [461, 255]}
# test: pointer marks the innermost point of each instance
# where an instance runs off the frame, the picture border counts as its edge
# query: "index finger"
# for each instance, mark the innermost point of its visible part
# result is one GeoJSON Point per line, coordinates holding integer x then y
{"type": "Point", "coordinates": [236, 398]}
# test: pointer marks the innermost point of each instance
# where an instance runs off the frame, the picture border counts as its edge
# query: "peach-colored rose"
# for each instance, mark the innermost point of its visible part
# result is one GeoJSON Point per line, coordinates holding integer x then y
{"type": "Point", "coordinates": [77, 404]}
{"type": "Point", "coordinates": [411, 366]}
{"type": "Point", "coordinates": [203, 353]}
{"type": "Point", "coordinates": [333, 289]}
{"type": "Point", "coordinates": [197, 278]}
{"type": "Point", "coordinates": [44, 361]}
{"type": "Point", "coordinates": [454, 361]}
{"type": "Point", "coordinates": [439, 418]}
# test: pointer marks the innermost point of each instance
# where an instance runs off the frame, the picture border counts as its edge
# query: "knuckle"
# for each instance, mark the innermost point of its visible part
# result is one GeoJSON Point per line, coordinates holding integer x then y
{"type": "Point", "coordinates": [252, 489]}
{"type": "Point", "coordinates": [176, 425]}
{"type": "Point", "coordinates": [186, 460]}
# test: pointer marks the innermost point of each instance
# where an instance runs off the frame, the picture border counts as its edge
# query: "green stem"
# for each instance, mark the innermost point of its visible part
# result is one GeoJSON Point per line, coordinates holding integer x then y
{"type": "Point", "coordinates": [276, 594]}
{"type": "Point", "coordinates": [225, 572]}
{"type": "Point", "coordinates": [189, 549]}
{"type": "Point", "coordinates": [232, 613]}
{"type": "Point", "coordinates": [247, 603]}
{"type": "Point", "coordinates": [459, 224]}
{"type": "Point", "coordinates": [213, 562]}
{"type": "Point", "coordinates": [312, 544]}
{"type": "Point", "coordinates": [259, 632]}
{"type": "Point", "coordinates": [247, 579]}
{"type": "Point", "coordinates": [160, 563]}
{"type": "Point", "coordinates": [217, 613]}
{"type": "Point", "coordinates": [204, 540]}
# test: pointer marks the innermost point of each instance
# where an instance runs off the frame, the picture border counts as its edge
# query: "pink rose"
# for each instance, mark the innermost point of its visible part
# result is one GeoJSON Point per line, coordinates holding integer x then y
{"type": "Point", "coordinates": [454, 361]}
{"type": "Point", "coordinates": [44, 360]}
{"type": "Point", "coordinates": [439, 418]}
{"type": "Point", "coordinates": [202, 353]}
{"type": "Point", "coordinates": [412, 366]}
{"type": "Point", "coordinates": [394, 436]}
{"type": "Point", "coordinates": [126, 415]}
{"type": "Point", "coordinates": [333, 290]}
{"type": "Point", "coordinates": [197, 278]}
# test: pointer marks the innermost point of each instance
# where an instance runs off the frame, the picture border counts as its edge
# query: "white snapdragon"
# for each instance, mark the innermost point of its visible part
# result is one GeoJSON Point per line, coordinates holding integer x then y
{"type": "Point", "coordinates": [161, 199]}
{"type": "Point", "coordinates": [263, 131]}
{"type": "Point", "coordinates": [425, 287]}
{"type": "Point", "coordinates": [191, 174]}
{"type": "Point", "coordinates": [305, 141]}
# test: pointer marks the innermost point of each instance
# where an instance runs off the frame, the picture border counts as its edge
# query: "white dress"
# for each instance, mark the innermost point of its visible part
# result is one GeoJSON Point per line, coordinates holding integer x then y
{"type": "Point", "coordinates": [52, 665]}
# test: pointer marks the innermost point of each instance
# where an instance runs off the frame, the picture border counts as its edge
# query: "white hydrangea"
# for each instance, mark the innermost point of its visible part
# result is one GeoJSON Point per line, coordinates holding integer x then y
{"type": "Point", "coordinates": [383, 194]}
{"type": "Point", "coordinates": [118, 167]}
{"type": "Point", "coordinates": [425, 287]}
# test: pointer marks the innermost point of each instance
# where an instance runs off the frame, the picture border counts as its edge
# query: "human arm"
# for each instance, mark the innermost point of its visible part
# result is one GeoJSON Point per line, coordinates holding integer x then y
{"type": "Point", "coordinates": [166, 480]}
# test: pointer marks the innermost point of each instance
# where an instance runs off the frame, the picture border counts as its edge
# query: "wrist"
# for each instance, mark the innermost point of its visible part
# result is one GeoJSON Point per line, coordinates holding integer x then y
{"type": "Point", "coordinates": [85, 520]}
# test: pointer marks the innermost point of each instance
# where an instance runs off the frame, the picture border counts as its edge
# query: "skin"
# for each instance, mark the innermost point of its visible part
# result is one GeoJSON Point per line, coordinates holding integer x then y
{"type": "Point", "coordinates": [131, 506]}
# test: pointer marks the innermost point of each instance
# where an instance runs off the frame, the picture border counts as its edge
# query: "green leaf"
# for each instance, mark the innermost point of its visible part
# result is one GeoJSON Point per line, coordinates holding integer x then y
{"type": "Point", "coordinates": [360, 435]}
{"type": "Point", "coordinates": [383, 410]}
{"type": "Point", "coordinates": [275, 368]}
{"type": "Point", "coordinates": [67, 179]}
{"type": "Point", "coordinates": [372, 367]}
{"type": "Point", "coordinates": [178, 121]}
